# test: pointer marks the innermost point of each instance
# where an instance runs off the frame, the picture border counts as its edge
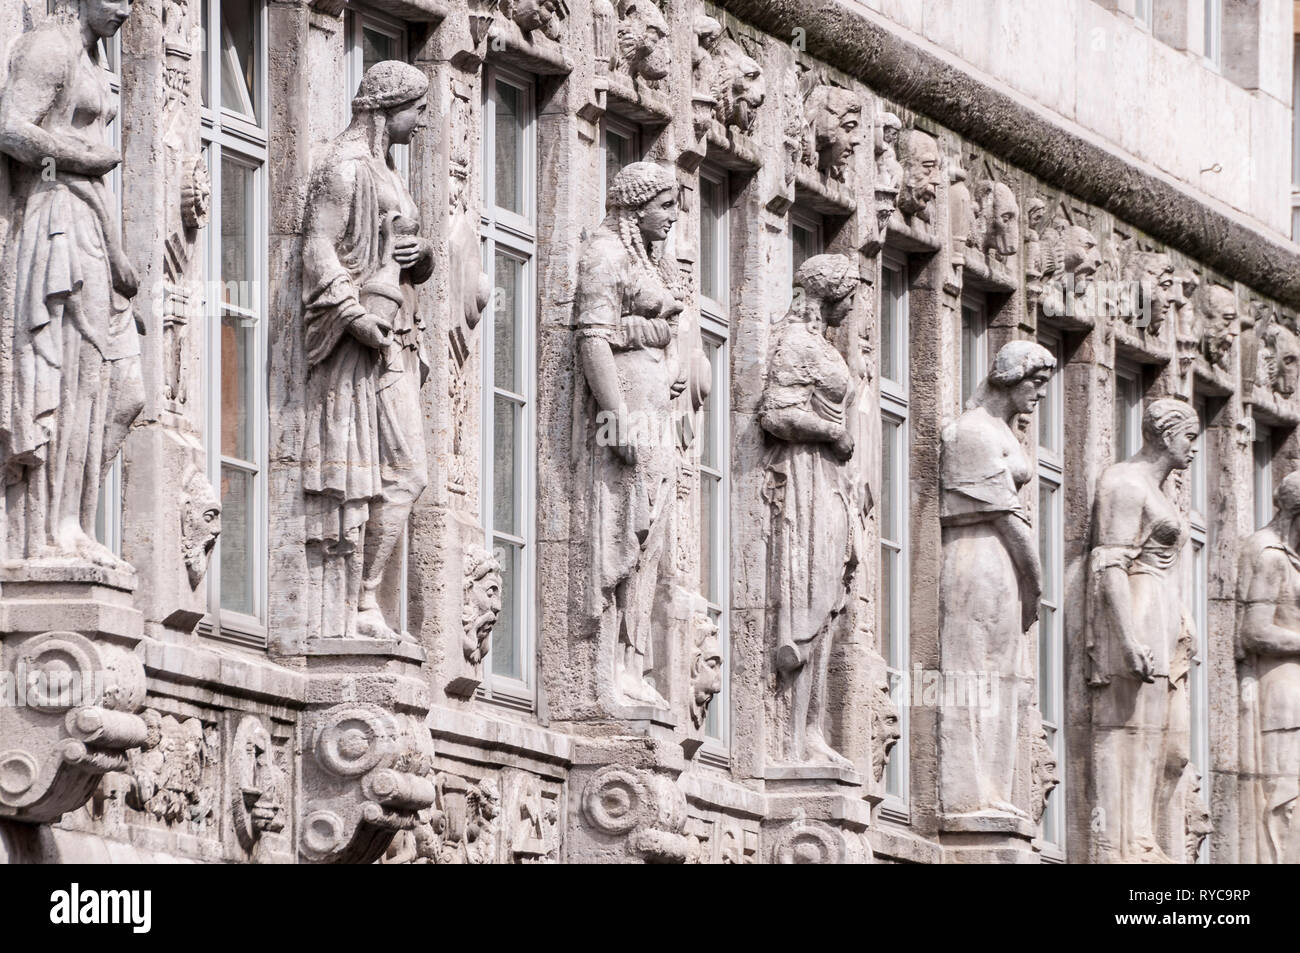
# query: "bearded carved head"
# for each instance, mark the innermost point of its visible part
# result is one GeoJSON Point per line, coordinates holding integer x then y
{"type": "Point", "coordinates": [884, 726]}
{"type": "Point", "coordinates": [1279, 359]}
{"type": "Point", "coordinates": [482, 601]}
{"type": "Point", "coordinates": [1000, 216]}
{"type": "Point", "coordinates": [200, 524]}
{"type": "Point", "coordinates": [1045, 773]}
{"type": "Point", "coordinates": [706, 669]}
{"type": "Point", "coordinates": [922, 169]}
{"type": "Point", "coordinates": [1220, 327]}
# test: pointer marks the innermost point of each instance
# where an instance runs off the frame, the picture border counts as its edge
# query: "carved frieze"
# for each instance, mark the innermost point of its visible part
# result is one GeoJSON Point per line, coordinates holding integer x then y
{"type": "Point", "coordinates": [172, 778]}
{"type": "Point", "coordinates": [260, 793]}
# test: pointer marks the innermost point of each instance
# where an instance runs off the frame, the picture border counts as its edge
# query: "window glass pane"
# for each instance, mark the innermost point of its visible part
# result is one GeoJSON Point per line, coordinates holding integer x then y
{"type": "Point", "coordinates": [1263, 478]}
{"type": "Point", "coordinates": [505, 654]}
{"type": "Point", "coordinates": [236, 542]}
{"type": "Point", "coordinates": [375, 48]}
{"type": "Point", "coordinates": [708, 557]}
{"type": "Point", "coordinates": [1049, 408]}
{"type": "Point", "coordinates": [237, 247]}
{"type": "Point", "coordinates": [1046, 660]}
{"type": "Point", "coordinates": [238, 57]}
{"type": "Point", "coordinates": [1047, 530]}
{"type": "Point", "coordinates": [712, 208]}
{"type": "Point", "coordinates": [889, 503]}
{"type": "Point", "coordinates": [618, 153]}
{"type": "Point", "coordinates": [804, 241]}
{"type": "Point", "coordinates": [970, 357]}
{"type": "Point", "coordinates": [508, 272]}
{"type": "Point", "coordinates": [888, 610]}
{"type": "Point", "coordinates": [1198, 468]}
{"type": "Point", "coordinates": [891, 325]}
{"type": "Point", "coordinates": [503, 465]}
{"type": "Point", "coordinates": [237, 349]}
{"type": "Point", "coordinates": [708, 437]}
{"type": "Point", "coordinates": [509, 140]}
{"type": "Point", "coordinates": [206, 60]}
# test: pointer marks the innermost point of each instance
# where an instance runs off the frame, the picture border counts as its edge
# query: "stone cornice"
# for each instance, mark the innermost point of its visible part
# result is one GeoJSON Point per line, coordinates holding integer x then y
{"type": "Point", "coordinates": [1030, 138]}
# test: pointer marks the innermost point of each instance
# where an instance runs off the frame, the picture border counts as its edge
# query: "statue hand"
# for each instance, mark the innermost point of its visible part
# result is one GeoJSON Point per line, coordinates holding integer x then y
{"type": "Point", "coordinates": [1139, 660]}
{"type": "Point", "coordinates": [626, 452]}
{"type": "Point", "coordinates": [677, 386]}
{"type": "Point", "coordinates": [100, 159]}
{"type": "Point", "coordinates": [371, 330]}
{"type": "Point", "coordinates": [411, 250]}
{"type": "Point", "coordinates": [842, 446]}
{"type": "Point", "coordinates": [1028, 608]}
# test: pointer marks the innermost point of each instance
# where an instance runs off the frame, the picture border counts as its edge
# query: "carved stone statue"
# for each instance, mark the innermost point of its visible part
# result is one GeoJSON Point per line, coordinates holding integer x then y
{"type": "Point", "coordinates": [1268, 642]}
{"type": "Point", "coordinates": [1045, 775]}
{"type": "Point", "coordinates": [538, 15]}
{"type": "Point", "coordinates": [364, 461]}
{"type": "Point", "coordinates": [738, 88]}
{"type": "Point", "coordinates": [1219, 328]}
{"type": "Point", "coordinates": [1279, 360]}
{"type": "Point", "coordinates": [706, 669]}
{"type": "Point", "coordinates": [808, 413]}
{"type": "Point", "coordinates": [885, 730]}
{"type": "Point", "coordinates": [889, 171]}
{"type": "Point", "coordinates": [990, 581]}
{"type": "Point", "coordinates": [200, 524]}
{"type": "Point", "coordinates": [1136, 618]}
{"type": "Point", "coordinates": [642, 49]}
{"type": "Point", "coordinates": [922, 168]}
{"type": "Point", "coordinates": [999, 217]}
{"type": "Point", "coordinates": [627, 306]}
{"type": "Point", "coordinates": [834, 119]}
{"type": "Point", "coordinates": [1154, 272]}
{"type": "Point", "coordinates": [70, 383]}
{"type": "Point", "coordinates": [482, 601]}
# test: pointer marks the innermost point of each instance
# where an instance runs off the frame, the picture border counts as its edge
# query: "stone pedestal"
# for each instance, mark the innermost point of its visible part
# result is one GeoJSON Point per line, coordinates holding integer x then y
{"type": "Point", "coordinates": [72, 685]}
{"type": "Point", "coordinates": [816, 814]}
{"type": "Point", "coordinates": [987, 839]}
{"type": "Point", "coordinates": [367, 755]}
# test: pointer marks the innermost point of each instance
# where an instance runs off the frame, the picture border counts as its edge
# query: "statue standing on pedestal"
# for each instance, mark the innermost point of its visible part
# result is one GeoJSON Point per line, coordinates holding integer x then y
{"type": "Point", "coordinates": [807, 410]}
{"type": "Point", "coordinates": [989, 585]}
{"type": "Point", "coordinates": [1136, 621]}
{"type": "Point", "coordinates": [70, 383]}
{"type": "Point", "coordinates": [364, 462]}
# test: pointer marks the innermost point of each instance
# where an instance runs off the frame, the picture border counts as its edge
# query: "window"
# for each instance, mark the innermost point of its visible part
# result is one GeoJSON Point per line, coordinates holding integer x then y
{"type": "Point", "coordinates": [373, 38]}
{"type": "Point", "coordinates": [1142, 12]}
{"type": "Point", "coordinates": [509, 233]}
{"type": "Point", "coordinates": [1128, 411]}
{"type": "Point", "coordinates": [806, 239]}
{"type": "Point", "coordinates": [1051, 638]}
{"type": "Point", "coordinates": [894, 477]}
{"type": "Point", "coordinates": [1263, 476]}
{"type": "Point", "coordinates": [621, 142]}
{"type": "Point", "coordinates": [235, 141]}
{"type": "Point", "coordinates": [1198, 563]}
{"type": "Point", "coordinates": [713, 442]}
{"type": "Point", "coordinates": [1213, 46]}
{"type": "Point", "coordinates": [974, 345]}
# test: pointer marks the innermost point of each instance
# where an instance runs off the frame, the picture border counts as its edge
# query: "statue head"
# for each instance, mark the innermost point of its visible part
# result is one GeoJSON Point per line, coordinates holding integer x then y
{"type": "Point", "coordinates": [1286, 498]}
{"type": "Point", "coordinates": [200, 524]}
{"type": "Point", "coordinates": [646, 193]}
{"type": "Point", "coordinates": [1221, 327]}
{"type": "Point", "coordinates": [1021, 371]}
{"type": "Point", "coordinates": [890, 125]}
{"type": "Point", "coordinates": [544, 15]}
{"type": "Point", "coordinates": [1154, 271]}
{"type": "Point", "coordinates": [922, 167]}
{"type": "Point", "coordinates": [1000, 214]}
{"type": "Point", "coordinates": [1173, 426]}
{"type": "Point", "coordinates": [1080, 255]}
{"type": "Point", "coordinates": [396, 91]}
{"type": "Point", "coordinates": [738, 88]}
{"type": "Point", "coordinates": [835, 117]}
{"type": "Point", "coordinates": [104, 17]}
{"type": "Point", "coordinates": [884, 726]}
{"type": "Point", "coordinates": [825, 286]}
{"type": "Point", "coordinates": [1045, 773]}
{"type": "Point", "coordinates": [1280, 355]}
{"type": "Point", "coordinates": [482, 601]}
{"type": "Point", "coordinates": [1035, 212]}
{"type": "Point", "coordinates": [642, 39]}
{"type": "Point", "coordinates": [706, 669]}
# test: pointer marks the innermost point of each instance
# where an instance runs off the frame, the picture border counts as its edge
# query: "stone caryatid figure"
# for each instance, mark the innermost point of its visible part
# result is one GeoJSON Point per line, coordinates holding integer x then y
{"type": "Point", "coordinates": [1268, 642]}
{"type": "Point", "coordinates": [1136, 627]}
{"type": "Point", "coordinates": [627, 308]}
{"type": "Point", "coordinates": [989, 584]}
{"type": "Point", "coordinates": [70, 383]}
{"type": "Point", "coordinates": [364, 461]}
{"type": "Point", "coordinates": [807, 410]}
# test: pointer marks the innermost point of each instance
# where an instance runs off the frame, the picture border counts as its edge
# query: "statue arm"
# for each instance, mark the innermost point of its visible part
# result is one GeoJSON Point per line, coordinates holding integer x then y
{"type": "Point", "coordinates": [1018, 537]}
{"type": "Point", "coordinates": [36, 74]}
{"type": "Point", "coordinates": [602, 374]}
{"type": "Point", "coordinates": [1260, 633]}
{"type": "Point", "coordinates": [1118, 527]}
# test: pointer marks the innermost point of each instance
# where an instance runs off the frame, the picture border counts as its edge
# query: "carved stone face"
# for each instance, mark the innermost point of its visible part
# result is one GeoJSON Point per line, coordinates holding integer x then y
{"type": "Point", "coordinates": [922, 168]}
{"type": "Point", "coordinates": [884, 726]}
{"type": "Point", "coordinates": [1026, 394]}
{"type": "Point", "coordinates": [481, 609]}
{"type": "Point", "coordinates": [1082, 257]}
{"type": "Point", "coordinates": [658, 216]}
{"type": "Point", "coordinates": [105, 17]}
{"type": "Point", "coordinates": [836, 119]}
{"type": "Point", "coordinates": [200, 527]}
{"type": "Point", "coordinates": [835, 312]}
{"type": "Point", "coordinates": [706, 672]}
{"type": "Point", "coordinates": [1286, 362]}
{"type": "Point", "coordinates": [1221, 326]}
{"type": "Point", "coordinates": [740, 89]}
{"type": "Point", "coordinates": [1002, 219]}
{"type": "Point", "coordinates": [1181, 444]}
{"type": "Point", "coordinates": [405, 121]}
{"type": "Point", "coordinates": [1158, 288]}
{"type": "Point", "coordinates": [642, 40]}
{"type": "Point", "coordinates": [1045, 774]}
{"type": "Point", "coordinates": [544, 15]}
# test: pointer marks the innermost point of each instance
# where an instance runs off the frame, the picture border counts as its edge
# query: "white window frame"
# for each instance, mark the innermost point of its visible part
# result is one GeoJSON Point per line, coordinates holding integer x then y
{"type": "Point", "coordinates": [624, 129]}
{"type": "Point", "coordinates": [1144, 13]}
{"type": "Point", "coordinates": [360, 18]}
{"type": "Point", "coordinates": [1212, 34]}
{"type": "Point", "coordinates": [1198, 551]}
{"type": "Point", "coordinates": [1051, 664]}
{"type": "Point", "coordinates": [515, 236]}
{"type": "Point", "coordinates": [715, 330]}
{"type": "Point", "coordinates": [1263, 475]}
{"type": "Point", "coordinates": [975, 333]}
{"type": "Point", "coordinates": [229, 136]}
{"type": "Point", "coordinates": [1128, 383]}
{"type": "Point", "coordinates": [894, 410]}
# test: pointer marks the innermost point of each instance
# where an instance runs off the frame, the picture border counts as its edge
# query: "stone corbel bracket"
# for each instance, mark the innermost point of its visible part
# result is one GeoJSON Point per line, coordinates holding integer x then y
{"type": "Point", "coordinates": [640, 814]}
{"type": "Point", "coordinates": [366, 776]}
{"type": "Point", "coordinates": [72, 687]}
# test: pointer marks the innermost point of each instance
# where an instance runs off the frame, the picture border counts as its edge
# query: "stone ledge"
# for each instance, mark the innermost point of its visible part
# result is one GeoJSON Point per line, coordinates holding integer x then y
{"type": "Point", "coordinates": [229, 674]}
{"type": "Point", "coordinates": [464, 729]}
{"type": "Point", "coordinates": [1031, 139]}
{"type": "Point", "coordinates": [723, 795]}
{"type": "Point", "coordinates": [903, 846]}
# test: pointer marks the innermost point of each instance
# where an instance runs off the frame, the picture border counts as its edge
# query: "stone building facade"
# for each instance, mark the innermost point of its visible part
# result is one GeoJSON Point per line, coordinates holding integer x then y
{"type": "Point", "coordinates": [587, 431]}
